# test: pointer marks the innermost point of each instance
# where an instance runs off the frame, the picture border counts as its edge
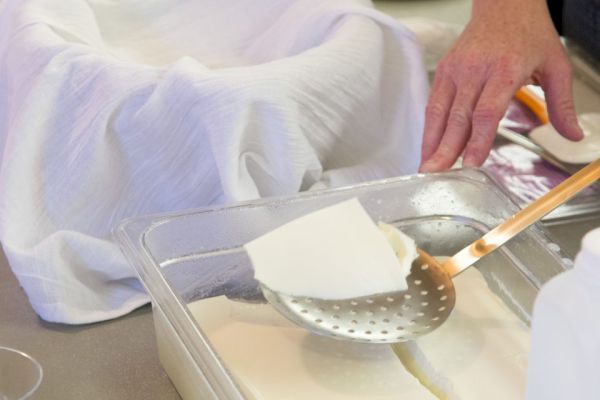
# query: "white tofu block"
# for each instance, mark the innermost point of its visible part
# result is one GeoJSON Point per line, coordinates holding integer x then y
{"type": "Point", "coordinates": [272, 359]}
{"type": "Point", "coordinates": [334, 253]}
{"type": "Point", "coordinates": [479, 353]}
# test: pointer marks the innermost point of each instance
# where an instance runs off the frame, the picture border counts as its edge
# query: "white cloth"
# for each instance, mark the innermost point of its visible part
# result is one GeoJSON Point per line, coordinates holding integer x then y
{"type": "Point", "coordinates": [111, 109]}
{"type": "Point", "coordinates": [565, 331]}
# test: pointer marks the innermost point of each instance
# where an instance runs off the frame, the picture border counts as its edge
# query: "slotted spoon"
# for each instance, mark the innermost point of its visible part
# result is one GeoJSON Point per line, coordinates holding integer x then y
{"type": "Point", "coordinates": [430, 297]}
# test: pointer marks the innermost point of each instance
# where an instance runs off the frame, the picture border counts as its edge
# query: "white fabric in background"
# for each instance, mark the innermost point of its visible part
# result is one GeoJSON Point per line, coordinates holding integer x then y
{"type": "Point", "coordinates": [112, 109]}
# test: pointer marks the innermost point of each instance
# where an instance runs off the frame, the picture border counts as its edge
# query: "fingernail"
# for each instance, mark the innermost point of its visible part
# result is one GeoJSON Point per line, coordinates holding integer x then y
{"type": "Point", "coordinates": [573, 130]}
{"type": "Point", "coordinates": [469, 162]}
{"type": "Point", "coordinates": [426, 167]}
{"type": "Point", "coordinates": [473, 161]}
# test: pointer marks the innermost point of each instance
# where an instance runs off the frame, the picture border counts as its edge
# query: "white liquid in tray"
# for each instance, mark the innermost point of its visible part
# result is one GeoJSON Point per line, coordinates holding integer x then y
{"type": "Point", "coordinates": [480, 352]}
{"type": "Point", "coordinates": [273, 359]}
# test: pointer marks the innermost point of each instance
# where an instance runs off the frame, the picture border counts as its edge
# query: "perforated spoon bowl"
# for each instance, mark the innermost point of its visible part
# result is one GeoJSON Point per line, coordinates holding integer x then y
{"type": "Point", "coordinates": [430, 297]}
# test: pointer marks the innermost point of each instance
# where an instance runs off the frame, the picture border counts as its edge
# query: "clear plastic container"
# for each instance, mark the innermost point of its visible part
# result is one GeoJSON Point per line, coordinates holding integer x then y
{"type": "Point", "coordinates": [20, 374]}
{"type": "Point", "coordinates": [185, 257]}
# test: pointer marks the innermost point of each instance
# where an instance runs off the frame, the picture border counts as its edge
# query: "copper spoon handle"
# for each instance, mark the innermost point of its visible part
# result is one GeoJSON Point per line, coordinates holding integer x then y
{"type": "Point", "coordinates": [522, 219]}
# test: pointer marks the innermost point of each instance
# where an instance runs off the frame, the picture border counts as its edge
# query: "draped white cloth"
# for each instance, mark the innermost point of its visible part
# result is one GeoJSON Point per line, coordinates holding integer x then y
{"type": "Point", "coordinates": [111, 109]}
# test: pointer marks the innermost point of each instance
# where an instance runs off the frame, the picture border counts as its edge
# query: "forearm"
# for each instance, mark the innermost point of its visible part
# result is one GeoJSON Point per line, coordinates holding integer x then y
{"type": "Point", "coordinates": [514, 6]}
{"type": "Point", "coordinates": [535, 8]}
{"type": "Point", "coordinates": [509, 11]}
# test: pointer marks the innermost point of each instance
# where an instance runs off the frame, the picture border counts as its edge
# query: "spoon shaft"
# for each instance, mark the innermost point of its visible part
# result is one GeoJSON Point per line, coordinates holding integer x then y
{"type": "Point", "coordinates": [522, 219]}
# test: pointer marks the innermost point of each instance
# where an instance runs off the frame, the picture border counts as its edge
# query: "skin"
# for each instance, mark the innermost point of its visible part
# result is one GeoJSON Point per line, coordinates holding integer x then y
{"type": "Point", "coordinates": [506, 44]}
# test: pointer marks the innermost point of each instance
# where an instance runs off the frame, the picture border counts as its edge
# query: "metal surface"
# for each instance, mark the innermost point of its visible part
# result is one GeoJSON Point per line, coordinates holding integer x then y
{"type": "Point", "coordinates": [527, 143]}
{"type": "Point", "coordinates": [524, 218]}
{"type": "Point", "coordinates": [537, 106]}
{"type": "Point", "coordinates": [584, 67]}
{"type": "Point", "coordinates": [382, 318]}
{"type": "Point", "coordinates": [430, 297]}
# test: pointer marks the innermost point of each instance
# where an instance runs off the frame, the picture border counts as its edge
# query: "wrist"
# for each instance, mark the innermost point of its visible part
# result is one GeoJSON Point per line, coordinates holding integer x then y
{"type": "Point", "coordinates": [514, 8]}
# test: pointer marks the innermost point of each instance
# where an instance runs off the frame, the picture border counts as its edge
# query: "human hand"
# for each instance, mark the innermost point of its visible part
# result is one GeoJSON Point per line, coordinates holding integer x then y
{"type": "Point", "coordinates": [506, 44]}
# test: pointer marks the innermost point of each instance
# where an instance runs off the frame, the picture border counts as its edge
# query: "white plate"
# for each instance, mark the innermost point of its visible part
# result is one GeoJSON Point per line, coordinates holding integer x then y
{"type": "Point", "coordinates": [582, 152]}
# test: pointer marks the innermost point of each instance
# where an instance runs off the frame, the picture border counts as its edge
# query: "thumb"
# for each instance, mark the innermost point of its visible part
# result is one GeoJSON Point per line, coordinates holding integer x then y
{"type": "Point", "coordinates": [557, 83]}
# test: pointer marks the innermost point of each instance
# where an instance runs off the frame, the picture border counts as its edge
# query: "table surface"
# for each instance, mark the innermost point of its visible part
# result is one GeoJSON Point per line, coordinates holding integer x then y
{"type": "Point", "coordinates": [118, 359]}
{"type": "Point", "coordinates": [108, 360]}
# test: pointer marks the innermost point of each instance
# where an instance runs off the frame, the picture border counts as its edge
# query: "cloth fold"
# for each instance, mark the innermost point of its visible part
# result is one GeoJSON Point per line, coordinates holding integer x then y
{"type": "Point", "coordinates": [117, 109]}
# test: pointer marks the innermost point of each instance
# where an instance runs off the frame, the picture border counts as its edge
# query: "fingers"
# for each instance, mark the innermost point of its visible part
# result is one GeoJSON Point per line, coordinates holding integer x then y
{"type": "Point", "coordinates": [454, 130]}
{"type": "Point", "coordinates": [438, 105]}
{"type": "Point", "coordinates": [490, 108]}
{"type": "Point", "coordinates": [556, 81]}
{"type": "Point", "coordinates": [500, 60]}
